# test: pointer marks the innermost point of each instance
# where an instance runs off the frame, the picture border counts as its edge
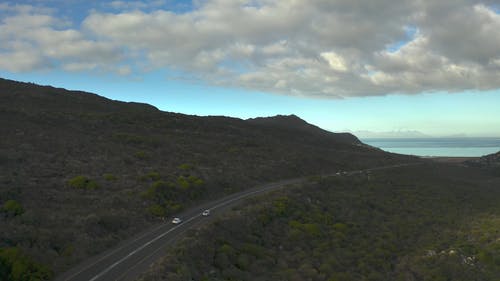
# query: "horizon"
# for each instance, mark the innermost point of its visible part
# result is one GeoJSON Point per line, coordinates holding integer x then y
{"type": "Point", "coordinates": [416, 71]}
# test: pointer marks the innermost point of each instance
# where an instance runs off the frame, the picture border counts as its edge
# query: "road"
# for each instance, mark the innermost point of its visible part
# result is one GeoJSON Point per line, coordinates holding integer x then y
{"type": "Point", "coordinates": [134, 256]}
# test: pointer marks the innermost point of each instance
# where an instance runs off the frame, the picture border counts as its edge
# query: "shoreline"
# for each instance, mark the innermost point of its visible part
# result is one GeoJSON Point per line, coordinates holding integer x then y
{"type": "Point", "coordinates": [450, 159]}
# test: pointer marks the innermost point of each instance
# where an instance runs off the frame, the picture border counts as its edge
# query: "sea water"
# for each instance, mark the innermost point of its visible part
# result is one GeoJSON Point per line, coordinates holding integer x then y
{"type": "Point", "coordinates": [452, 147]}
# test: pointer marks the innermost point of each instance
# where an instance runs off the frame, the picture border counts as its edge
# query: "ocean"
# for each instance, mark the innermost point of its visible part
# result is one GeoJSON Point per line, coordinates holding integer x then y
{"type": "Point", "coordinates": [451, 147]}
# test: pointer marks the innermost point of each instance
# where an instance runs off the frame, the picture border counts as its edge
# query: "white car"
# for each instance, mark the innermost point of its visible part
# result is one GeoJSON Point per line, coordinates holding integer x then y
{"type": "Point", "coordinates": [206, 213]}
{"type": "Point", "coordinates": [176, 221]}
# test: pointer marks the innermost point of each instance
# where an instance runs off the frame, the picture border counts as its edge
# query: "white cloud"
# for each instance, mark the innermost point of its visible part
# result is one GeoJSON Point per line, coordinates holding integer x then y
{"type": "Point", "coordinates": [335, 61]}
{"type": "Point", "coordinates": [22, 60]}
{"type": "Point", "coordinates": [320, 48]}
{"type": "Point", "coordinates": [134, 5]}
{"type": "Point", "coordinates": [33, 39]}
{"type": "Point", "coordinates": [79, 66]}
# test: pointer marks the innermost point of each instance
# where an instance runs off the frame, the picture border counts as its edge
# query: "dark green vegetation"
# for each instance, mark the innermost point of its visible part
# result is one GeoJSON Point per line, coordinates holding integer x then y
{"type": "Point", "coordinates": [14, 265]}
{"type": "Point", "coordinates": [426, 222]}
{"type": "Point", "coordinates": [89, 172]}
{"type": "Point", "coordinates": [12, 208]}
{"type": "Point", "coordinates": [490, 163]}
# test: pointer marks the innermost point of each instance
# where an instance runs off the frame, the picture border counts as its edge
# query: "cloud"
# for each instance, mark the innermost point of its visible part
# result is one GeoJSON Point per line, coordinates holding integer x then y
{"type": "Point", "coordinates": [22, 60]}
{"type": "Point", "coordinates": [33, 39]}
{"type": "Point", "coordinates": [134, 5]}
{"type": "Point", "coordinates": [319, 48]}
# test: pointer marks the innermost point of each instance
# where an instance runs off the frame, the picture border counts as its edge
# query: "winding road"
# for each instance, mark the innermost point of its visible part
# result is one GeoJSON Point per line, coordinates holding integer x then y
{"type": "Point", "coordinates": [134, 256]}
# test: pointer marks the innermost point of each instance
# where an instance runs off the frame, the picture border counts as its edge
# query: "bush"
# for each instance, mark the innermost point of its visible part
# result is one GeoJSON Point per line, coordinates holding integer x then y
{"type": "Point", "coordinates": [141, 155]}
{"type": "Point", "coordinates": [195, 180]}
{"type": "Point", "coordinates": [109, 177]}
{"type": "Point", "coordinates": [185, 167]}
{"type": "Point", "coordinates": [183, 182]}
{"type": "Point", "coordinates": [12, 208]}
{"type": "Point", "coordinates": [159, 184]}
{"type": "Point", "coordinates": [16, 267]}
{"type": "Point", "coordinates": [82, 182]}
{"type": "Point", "coordinates": [157, 210]}
{"type": "Point", "coordinates": [149, 193]}
{"type": "Point", "coordinates": [187, 182]}
{"type": "Point", "coordinates": [155, 176]}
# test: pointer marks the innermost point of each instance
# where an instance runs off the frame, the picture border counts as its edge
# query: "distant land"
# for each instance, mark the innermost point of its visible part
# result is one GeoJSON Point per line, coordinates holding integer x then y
{"type": "Point", "coordinates": [390, 134]}
{"type": "Point", "coordinates": [401, 134]}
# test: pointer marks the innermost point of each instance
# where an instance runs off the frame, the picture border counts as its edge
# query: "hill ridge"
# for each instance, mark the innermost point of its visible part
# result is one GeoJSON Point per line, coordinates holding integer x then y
{"type": "Point", "coordinates": [88, 172]}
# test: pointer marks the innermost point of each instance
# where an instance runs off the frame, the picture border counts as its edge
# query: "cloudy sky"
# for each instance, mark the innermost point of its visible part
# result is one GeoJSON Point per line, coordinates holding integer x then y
{"type": "Point", "coordinates": [385, 65]}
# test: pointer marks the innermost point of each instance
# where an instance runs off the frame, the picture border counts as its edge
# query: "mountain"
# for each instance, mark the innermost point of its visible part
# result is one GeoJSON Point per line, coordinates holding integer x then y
{"type": "Point", "coordinates": [80, 172]}
{"type": "Point", "coordinates": [294, 123]}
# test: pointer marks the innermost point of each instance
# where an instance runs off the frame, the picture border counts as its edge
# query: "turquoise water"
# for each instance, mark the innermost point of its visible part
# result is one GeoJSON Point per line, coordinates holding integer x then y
{"type": "Point", "coordinates": [452, 147]}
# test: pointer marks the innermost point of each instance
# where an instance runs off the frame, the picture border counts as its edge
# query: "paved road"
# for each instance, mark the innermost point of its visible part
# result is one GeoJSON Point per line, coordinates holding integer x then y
{"type": "Point", "coordinates": [134, 256]}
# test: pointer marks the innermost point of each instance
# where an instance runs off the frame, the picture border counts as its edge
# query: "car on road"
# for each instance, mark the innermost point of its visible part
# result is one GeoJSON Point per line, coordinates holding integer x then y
{"type": "Point", "coordinates": [206, 213]}
{"type": "Point", "coordinates": [176, 221]}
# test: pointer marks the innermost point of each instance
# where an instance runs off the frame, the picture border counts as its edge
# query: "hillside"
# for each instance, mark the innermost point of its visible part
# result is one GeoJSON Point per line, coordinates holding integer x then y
{"type": "Point", "coordinates": [81, 172]}
{"type": "Point", "coordinates": [293, 123]}
{"type": "Point", "coordinates": [489, 163]}
{"type": "Point", "coordinates": [425, 222]}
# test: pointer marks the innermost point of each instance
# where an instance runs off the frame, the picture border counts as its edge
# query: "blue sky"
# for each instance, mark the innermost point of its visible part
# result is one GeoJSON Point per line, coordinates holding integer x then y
{"type": "Point", "coordinates": [418, 70]}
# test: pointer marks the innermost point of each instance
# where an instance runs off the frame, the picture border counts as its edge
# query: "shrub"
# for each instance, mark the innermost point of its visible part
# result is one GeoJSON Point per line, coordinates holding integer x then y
{"type": "Point", "coordinates": [281, 206]}
{"type": "Point", "coordinates": [195, 180]}
{"type": "Point", "coordinates": [109, 177]}
{"type": "Point", "coordinates": [227, 249]}
{"type": "Point", "coordinates": [157, 210]}
{"type": "Point", "coordinates": [149, 193]}
{"type": "Point", "coordinates": [141, 155]}
{"type": "Point", "coordinates": [91, 185]}
{"type": "Point", "coordinates": [153, 176]}
{"type": "Point", "coordinates": [185, 167]}
{"type": "Point", "coordinates": [129, 138]}
{"type": "Point", "coordinates": [183, 182]}
{"type": "Point", "coordinates": [187, 182]}
{"type": "Point", "coordinates": [16, 267]}
{"type": "Point", "coordinates": [159, 184]}
{"type": "Point", "coordinates": [175, 207]}
{"type": "Point", "coordinates": [82, 182]}
{"type": "Point", "coordinates": [12, 208]}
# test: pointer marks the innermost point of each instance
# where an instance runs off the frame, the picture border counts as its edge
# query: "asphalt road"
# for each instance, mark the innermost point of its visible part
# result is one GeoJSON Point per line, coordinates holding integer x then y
{"type": "Point", "coordinates": [134, 256]}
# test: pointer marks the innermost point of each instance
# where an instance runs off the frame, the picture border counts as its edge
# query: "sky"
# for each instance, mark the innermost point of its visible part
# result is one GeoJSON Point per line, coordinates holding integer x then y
{"type": "Point", "coordinates": [344, 65]}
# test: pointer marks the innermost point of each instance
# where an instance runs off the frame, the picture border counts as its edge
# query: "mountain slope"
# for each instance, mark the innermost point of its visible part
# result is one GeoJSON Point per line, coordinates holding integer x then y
{"type": "Point", "coordinates": [88, 171]}
{"type": "Point", "coordinates": [421, 222]}
{"type": "Point", "coordinates": [489, 162]}
{"type": "Point", "coordinates": [294, 123]}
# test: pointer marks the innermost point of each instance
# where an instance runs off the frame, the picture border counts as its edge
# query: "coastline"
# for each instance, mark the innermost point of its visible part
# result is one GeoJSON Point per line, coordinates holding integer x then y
{"type": "Point", "coordinates": [449, 159]}
{"type": "Point", "coordinates": [451, 149]}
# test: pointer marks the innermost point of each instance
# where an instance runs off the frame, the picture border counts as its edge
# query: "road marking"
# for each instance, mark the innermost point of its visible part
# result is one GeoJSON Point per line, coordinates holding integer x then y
{"type": "Point", "coordinates": [262, 190]}
{"type": "Point", "coordinates": [152, 254]}
{"type": "Point", "coordinates": [188, 220]}
{"type": "Point", "coordinates": [112, 252]}
{"type": "Point", "coordinates": [275, 186]}
{"type": "Point", "coordinates": [138, 249]}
